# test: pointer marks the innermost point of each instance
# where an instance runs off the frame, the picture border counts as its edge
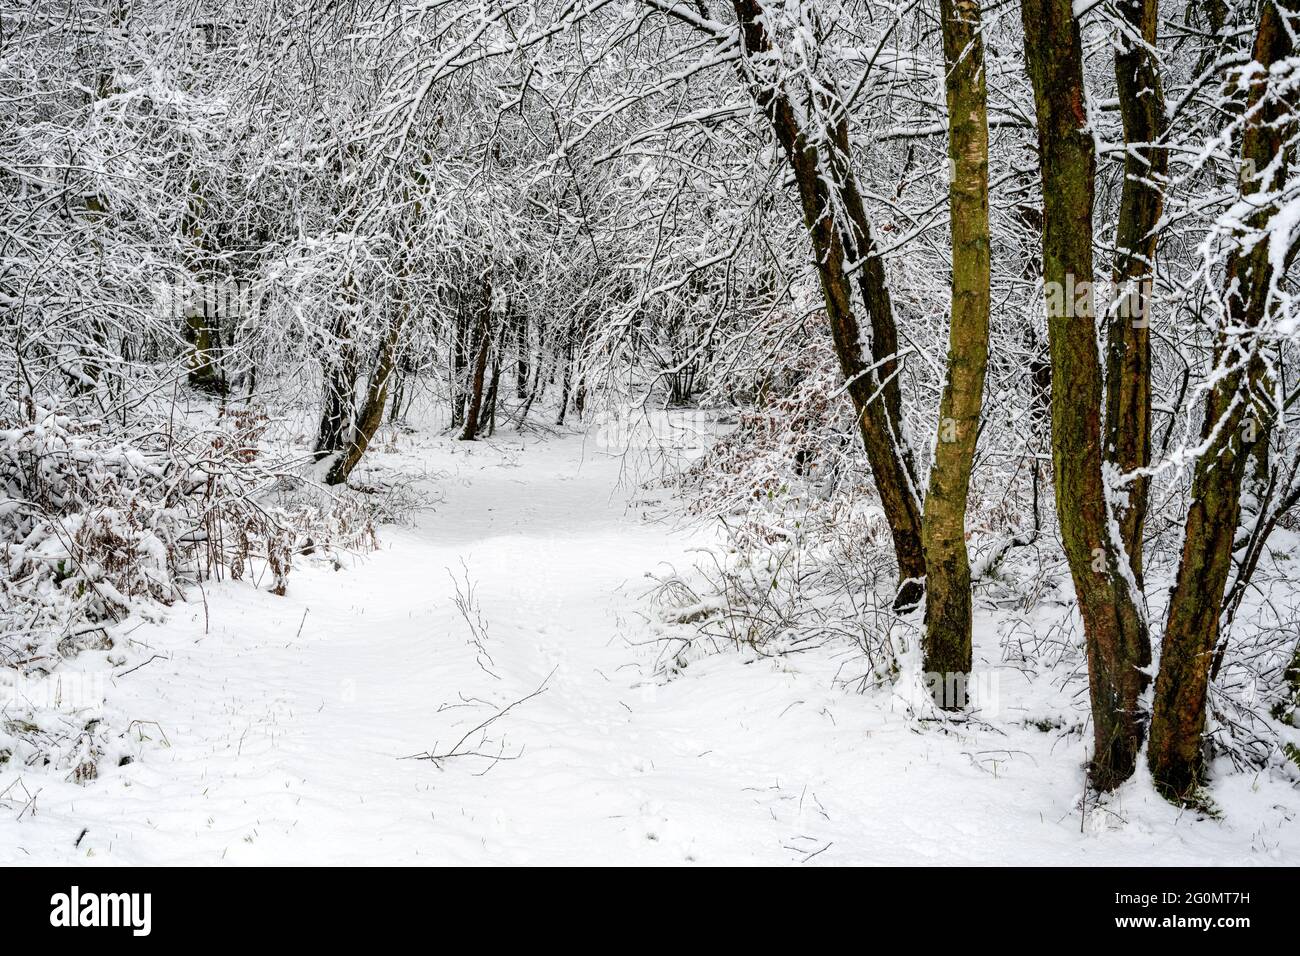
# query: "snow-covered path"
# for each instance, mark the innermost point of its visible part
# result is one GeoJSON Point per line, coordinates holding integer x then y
{"type": "Point", "coordinates": [276, 736]}
{"type": "Point", "coordinates": [272, 729]}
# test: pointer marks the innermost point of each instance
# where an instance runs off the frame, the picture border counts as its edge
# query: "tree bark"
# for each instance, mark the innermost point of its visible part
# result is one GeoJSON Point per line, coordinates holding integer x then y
{"type": "Point", "coordinates": [1232, 423]}
{"type": "Point", "coordinates": [203, 322]}
{"type": "Point", "coordinates": [948, 585]}
{"type": "Point", "coordinates": [566, 379]}
{"type": "Point", "coordinates": [819, 160]}
{"type": "Point", "coordinates": [339, 373]}
{"type": "Point", "coordinates": [521, 353]}
{"type": "Point", "coordinates": [487, 419]}
{"type": "Point", "coordinates": [399, 394]}
{"type": "Point", "coordinates": [1114, 629]}
{"type": "Point", "coordinates": [538, 374]}
{"type": "Point", "coordinates": [483, 339]}
{"type": "Point", "coordinates": [1128, 345]}
{"type": "Point", "coordinates": [203, 331]}
{"type": "Point", "coordinates": [460, 350]}
{"type": "Point", "coordinates": [372, 411]}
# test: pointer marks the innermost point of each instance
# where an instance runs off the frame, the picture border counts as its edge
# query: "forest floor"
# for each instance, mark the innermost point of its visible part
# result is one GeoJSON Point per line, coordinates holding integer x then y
{"type": "Point", "coordinates": [274, 729]}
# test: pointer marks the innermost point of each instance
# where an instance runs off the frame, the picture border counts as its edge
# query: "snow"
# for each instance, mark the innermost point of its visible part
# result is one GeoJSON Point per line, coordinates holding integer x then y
{"type": "Point", "coordinates": [272, 730]}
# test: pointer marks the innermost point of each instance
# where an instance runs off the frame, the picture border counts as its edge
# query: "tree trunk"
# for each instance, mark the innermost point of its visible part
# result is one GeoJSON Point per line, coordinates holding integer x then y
{"type": "Point", "coordinates": [372, 412]}
{"type": "Point", "coordinates": [460, 348]}
{"type": "Point", "coordinates": [399, 393]}
{"type": "Point", "coordinates": [539, 365]}
{"type": "Point", "coordinates": [203, 331]}
{"type": "Point", "coordinates": [336, 410]}
{"type": "Point", "coordinates": [203, 322]}
{"type": "Point", "coordinates": [1128, 346]}
{"type": "Point", "coordinates": [487, 419]}
{"type": "Point", "coordinates": [580, 398]}
{"type": "Point", "coordinates": [948, 583]}
{"type": "Point", "coordinates": [837, 225]}
{"type": "Point", "coordinates": [1232, 423]}
{"type": "Point", "coordinates": [339, 372]}
{"type": "Point", "coordinates": [521, 354]}
{"type": "Point", "coordinates": [483, 338]}
{"type": "Point", "coordinates": [566, 380]}
{"type": "Point", "coordinates": [1114, 630]}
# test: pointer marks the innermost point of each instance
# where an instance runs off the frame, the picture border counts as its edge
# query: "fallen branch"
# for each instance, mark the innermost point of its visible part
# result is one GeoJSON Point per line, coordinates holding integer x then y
{"type": "Point", "coordinates": [456, 751]}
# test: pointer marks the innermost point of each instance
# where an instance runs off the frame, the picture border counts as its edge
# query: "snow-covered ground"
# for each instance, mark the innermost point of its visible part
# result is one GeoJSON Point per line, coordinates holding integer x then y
{"type": "Point", "coordinates": [273, 729]}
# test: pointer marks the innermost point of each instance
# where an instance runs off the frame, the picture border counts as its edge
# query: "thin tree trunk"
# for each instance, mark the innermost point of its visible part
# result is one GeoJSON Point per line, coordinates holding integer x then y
{"type": "Point", "coordinates": [399, 392]}
{"type": "Point", "coordinates": [823, 172]}
{"type": "Point", "coordinates": [539, 364]}
{"type": "Point", "coordinates": [567, 380]}
{"type": "Point", "coordinates": [484, 342]}
{"type": "Point", "coordinates": [580, 397]}
{"type": "Point", "coordinates": [521, 354]}
{"type": "Point", "coordinates": [336, 410]}
{"type": "Point", "coordinates": [460, 349]}
{"type": "Point", "coordinates": [1114, 630]}
{"type": "Point", "coordinates": [338, 367]}
{"type": "Point", "coordinates": [487, 419]}
{"type": "Point", "coordinates": [372, 411]}
{"type": "Point", "coordinates": [1128, 346]}
{"type": "Point", "coordinates": [1232, 423]}
{"type": "Point", "coordinates": [948, 583]}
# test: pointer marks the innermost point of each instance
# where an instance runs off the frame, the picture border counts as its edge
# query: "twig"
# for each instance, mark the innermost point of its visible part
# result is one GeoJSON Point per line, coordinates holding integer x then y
{"type": "Point", "coordinates": [455, 751]}
{"type": "Point", "coordinates": [817, 852]}
{"type": "Point", "coordinates": [138, 666]}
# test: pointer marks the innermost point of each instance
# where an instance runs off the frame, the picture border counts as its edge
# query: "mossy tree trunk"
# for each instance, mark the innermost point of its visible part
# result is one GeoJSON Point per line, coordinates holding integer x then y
{"type": "Point", "coordinates": [1128, 345]}
{"type": "Point", "coordinates": [203, 314]}
{"type": "Point", "coordinates": [1234, 422]}
{"type": "Point", "coordinates": [203, 332]}
{"type": "Point", "coordinates": [948, 583]}
{"type": "Point", "coordinates": [1114, 629]}
{"type": "Point", "coordinates": [839, 230]}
